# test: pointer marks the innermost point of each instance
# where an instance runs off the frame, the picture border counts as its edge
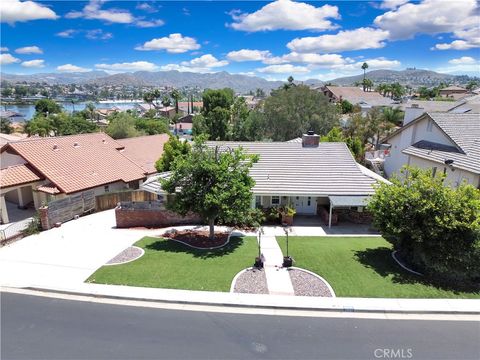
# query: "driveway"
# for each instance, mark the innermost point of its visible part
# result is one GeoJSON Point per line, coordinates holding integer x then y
{"type": "Point", "coordinates": [68, 254]}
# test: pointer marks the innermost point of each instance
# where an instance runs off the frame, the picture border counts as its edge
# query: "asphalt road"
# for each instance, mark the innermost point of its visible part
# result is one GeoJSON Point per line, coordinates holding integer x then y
{"type": "Point", "coordinates": [44, 328]}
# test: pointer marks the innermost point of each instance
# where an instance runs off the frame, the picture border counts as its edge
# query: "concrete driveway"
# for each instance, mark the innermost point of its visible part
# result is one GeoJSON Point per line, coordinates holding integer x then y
{"type": "Point", "coordinates": [68, 254]}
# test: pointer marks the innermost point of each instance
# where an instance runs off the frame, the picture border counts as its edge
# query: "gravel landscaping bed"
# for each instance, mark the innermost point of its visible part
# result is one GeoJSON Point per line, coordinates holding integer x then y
{"type": "Point", "coordinates": [306, 284]}
{"type": "Point", "coordinates": [251, 281]}
{"type": "Point", "coordinates": [129, 254]}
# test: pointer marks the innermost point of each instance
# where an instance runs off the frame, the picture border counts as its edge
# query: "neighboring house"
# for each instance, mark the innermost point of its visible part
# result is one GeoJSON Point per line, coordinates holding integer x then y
{"type": "Point", "coordinates": [6, 138]}
{"type": "Point", "coordinates": [12, 116]}
{"type": "Point", "coordinates": [186, 119]}
{"type": "Point", "coordinates": [356, 96]}
{"type": "Point", "coordinates": [453, 91]}
{"type": "Point", "coordinates": [442, 142]}
{"type": "Point", "coordinates": [307, 175]}
{"type": "Point", "coordinates": [36, 171]}
{"type": "Point", "coordinates": [144, 150]}
{"type": "Point", "coordinates": [185, 106]}
{"type": "Point", "coordinates": [102, 114]}
{"type": "Point", "coordinates": [169, 112]}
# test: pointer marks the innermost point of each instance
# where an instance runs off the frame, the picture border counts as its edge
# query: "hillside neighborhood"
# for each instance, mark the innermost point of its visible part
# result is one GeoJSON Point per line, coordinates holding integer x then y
{"type": "Point", "coordinates": [233, 180]}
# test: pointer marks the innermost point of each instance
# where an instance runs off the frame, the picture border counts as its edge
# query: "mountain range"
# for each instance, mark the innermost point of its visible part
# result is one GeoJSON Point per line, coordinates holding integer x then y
{"type": "Point", "coordinates": [240, 83]}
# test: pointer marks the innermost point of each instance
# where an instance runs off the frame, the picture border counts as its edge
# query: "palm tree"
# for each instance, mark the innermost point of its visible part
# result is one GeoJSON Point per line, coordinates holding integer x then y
{"type": "Point", "coordinates": [156, 95]}
{"type": "Point", "coordinates": [364, 68]}
{"type": "Point", "coordinates": [393, 115]}
{"type": "Point", "coordinates": [148, 98]}
{"type": "Point", "coordinates": [175, 94]}
{"type": "Point", "coordinates": [90, 108]}
{"type": "Point", "coordinates": [166, 101]}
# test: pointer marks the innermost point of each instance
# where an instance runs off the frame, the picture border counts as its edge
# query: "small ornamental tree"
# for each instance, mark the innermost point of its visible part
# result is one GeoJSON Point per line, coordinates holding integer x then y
{"type": "Point", "coordinates": [172, 149]}
{"type": "Point", "coordinates": [435, 227]}
{"type": "Point", "coordinates": [212, 182]}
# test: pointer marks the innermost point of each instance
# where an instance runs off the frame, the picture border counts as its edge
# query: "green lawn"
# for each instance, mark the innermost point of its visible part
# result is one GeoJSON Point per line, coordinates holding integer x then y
{"type": "Point", "coordinates": [362, 267]}
{"type": "Point", "coordinates": [167, 264]}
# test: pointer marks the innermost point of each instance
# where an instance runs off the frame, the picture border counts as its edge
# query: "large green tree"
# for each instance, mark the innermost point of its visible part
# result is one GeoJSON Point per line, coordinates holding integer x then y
{"type": "Point", "coordinates": [172, 149]}
{"type": "Point", "coordinates": [5, 126]}
{"type": "Point", "coordinates": [121, 126]}
{"type": "Point", "coordinates": [434, 226]}
{"type": "Point", "coordinates": [290, 112]}
{"type": "Point", "coordinates": [47, 106]}
{"type": "Point", "coordinates": [212, 182]}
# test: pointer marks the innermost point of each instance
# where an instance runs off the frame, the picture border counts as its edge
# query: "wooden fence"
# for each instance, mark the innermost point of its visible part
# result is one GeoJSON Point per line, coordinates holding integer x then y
{"type": "Point", "coordinates": [111, 200]}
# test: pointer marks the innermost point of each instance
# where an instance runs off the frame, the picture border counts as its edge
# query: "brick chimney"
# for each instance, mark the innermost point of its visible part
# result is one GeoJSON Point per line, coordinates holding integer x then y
{"type": "Point", "coordinates": [310, 139]}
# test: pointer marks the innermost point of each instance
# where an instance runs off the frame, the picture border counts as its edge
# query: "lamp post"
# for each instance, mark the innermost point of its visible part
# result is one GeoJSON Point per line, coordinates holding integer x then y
{"type": "Point", "coordinates": [287, 260]}
{"type": "Point", "coordinates": [258, 259]}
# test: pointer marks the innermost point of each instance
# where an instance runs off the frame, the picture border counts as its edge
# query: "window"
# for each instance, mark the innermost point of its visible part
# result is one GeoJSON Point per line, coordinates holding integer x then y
{"type": "Point", "coordinates": [106, 188]}
{"type": "Point", "coordinates": [258, 201]}
{"type": "Point", "coordinates": [429, 125]}
{"type": "Point", "coordinates": [275, 200]}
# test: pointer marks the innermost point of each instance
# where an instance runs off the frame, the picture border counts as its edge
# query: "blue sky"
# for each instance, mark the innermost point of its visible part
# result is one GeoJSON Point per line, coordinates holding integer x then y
{"type": "Point", "coordinates": [321, 39]}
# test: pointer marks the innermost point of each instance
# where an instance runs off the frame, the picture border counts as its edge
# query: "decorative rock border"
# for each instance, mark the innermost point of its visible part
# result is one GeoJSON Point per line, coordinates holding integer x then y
{"type": "Point", "coordinates": [112, 261]}
{"type": "Point", "coordinates": [404, 266]}
{"type": "Point", "coordinates": [242, 272]}
{"type": "Point", "coordinates": [202, 248]}
{"type": "Point", "coordinates": [332, 292]}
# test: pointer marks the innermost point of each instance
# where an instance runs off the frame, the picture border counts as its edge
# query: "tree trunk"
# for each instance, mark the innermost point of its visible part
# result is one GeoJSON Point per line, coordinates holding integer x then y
{"type": "Point", "coordinates": [211, 225]}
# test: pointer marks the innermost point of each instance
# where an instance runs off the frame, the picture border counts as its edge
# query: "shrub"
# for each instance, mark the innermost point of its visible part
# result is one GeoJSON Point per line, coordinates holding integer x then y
{"type": "Point", "coordinates": [435, 227]}
{"type": "Point", "coordinates": [34, 227]}
{"type": "Point", "coordinates": [253, 218]}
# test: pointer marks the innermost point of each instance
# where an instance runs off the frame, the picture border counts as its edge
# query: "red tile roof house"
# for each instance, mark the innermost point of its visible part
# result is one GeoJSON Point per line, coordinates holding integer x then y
{"type": "Point", "coordinates": [44, 169]}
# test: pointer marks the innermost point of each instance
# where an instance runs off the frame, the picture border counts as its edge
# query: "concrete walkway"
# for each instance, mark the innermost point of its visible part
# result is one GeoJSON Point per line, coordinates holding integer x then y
{"type": "Point", "coordinates": [278, 279]}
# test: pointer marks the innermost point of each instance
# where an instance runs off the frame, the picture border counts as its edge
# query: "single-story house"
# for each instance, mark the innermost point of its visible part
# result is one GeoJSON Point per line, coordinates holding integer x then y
{"type": "Point", "coordinates": [453, 91]}
{"type": "Point", "coordinates": [356, 96]}
{"type": "Point", "coordinates": [37, 171]}
{"type": "Point", "coordinates": [447, 142]}
{"type": "Point", "coordinates": [308, 175]}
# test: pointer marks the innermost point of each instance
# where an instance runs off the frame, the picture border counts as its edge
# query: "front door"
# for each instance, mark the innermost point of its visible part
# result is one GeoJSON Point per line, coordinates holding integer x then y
{"type": "Point", "coordinates": [304, 205]}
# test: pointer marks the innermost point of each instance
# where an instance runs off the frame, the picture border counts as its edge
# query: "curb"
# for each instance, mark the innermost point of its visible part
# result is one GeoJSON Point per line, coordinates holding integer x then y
{"type": "Point", "coordinates": [239, 304]}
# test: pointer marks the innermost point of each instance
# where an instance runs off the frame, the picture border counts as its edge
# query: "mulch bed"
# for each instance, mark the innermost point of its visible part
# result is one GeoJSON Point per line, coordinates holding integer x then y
{"type": "Point", "coordinates": [252, 281]}
{"type": "Point", "coordinates": [305, 284]}
{"type": "Point", "coordinates": [198, 238]}
{"type": "Point", "coordinates": [126, 255]}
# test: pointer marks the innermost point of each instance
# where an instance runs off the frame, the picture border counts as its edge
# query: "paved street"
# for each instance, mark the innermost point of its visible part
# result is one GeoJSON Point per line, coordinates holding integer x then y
{"type": "Point", "coordinates": [38, 327]}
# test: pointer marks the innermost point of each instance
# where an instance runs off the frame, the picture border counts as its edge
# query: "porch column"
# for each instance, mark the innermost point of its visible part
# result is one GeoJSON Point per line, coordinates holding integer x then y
{"type": "Point", "coordinates": [3, 210]}
{"type": "Point", "coordinates": [330, 216]}
{"type": "Point", "coordinates": [20, 197]}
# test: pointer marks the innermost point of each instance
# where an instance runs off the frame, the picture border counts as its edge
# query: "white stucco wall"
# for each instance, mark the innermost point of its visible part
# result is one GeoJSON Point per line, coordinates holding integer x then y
{"type": "Point", "coordinates": [407, 137]}
{"type": "Point", "coordinates": [454, 178]}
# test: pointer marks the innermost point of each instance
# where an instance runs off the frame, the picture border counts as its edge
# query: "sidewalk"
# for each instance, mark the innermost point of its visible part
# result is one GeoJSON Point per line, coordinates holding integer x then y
{"type": "Point", "coordinates": [278, 279]}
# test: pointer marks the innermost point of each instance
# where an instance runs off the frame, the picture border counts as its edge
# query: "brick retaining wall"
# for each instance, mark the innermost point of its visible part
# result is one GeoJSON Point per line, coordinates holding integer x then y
{"type": "Point", "coordinates": [129, 217]}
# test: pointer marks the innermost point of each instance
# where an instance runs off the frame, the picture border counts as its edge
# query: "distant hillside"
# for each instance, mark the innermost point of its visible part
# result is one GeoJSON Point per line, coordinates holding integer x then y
{"type": "Point", "coordinates": [240, 83]}
{"type": "Point", "coordinates": [55, 78]}
{"type": "Point", "coordinates": [413, 77]}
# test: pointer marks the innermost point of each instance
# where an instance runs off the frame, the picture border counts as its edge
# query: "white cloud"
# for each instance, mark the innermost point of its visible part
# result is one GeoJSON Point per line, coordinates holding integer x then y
{"type": "Point", "coordinates": [128, 66]}
{"type": "Point", "coordinates": [146, 7]}
{"type": "Point", "coordinates": [6, 59]}
{"type": "Point", "coordinates": [98, 34]}
{"type": "Point", "coordinates": [468, 39]}
{"type": "Point", "coordinates": [315, 59]}
{"type": "Point", "coordinates": [149, 23]}
{"type": "Point", "coordinates": [392, 4]}
{"type": "Point", "coordinates": [205, 61]}
{"type": "Point", "coordinates": [66, 33]}
{"type": "Point", "coordinates": [286, 14]}
{"type": "Point", "coordinates": [16, 11]}
{"type": "Point", "coordinates": [93, 11]}
{"type": "Point", "coordinates": [274, 60]}
{"type": "Point", "coordinates": [428, 17]}
{"type": "Point", "coordinates": [29, 50]}
{"type": "Point", "coordinates": [358, 39]}
{"type": "Point", "coordinates": [34, 64]}
{"type": "Point", "coordinates": [71, 68]}
{"type": "Point", "coordinates": [3, 49]}
{"type": "Point", "coordinates": [174, 44]}
{"type": "Point", "coordinates": [463, 60]}
{"type": "Point", "coordinates": [284, 69]}
{"type": "Point", "coordinates": [248, 55]}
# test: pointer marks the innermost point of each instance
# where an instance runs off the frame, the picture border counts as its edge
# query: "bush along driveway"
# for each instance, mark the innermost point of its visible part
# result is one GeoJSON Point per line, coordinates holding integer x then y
{"type": "Point", "coordinates": [363, 267]}
{"type": "Point", "coordinates": [169, 264]}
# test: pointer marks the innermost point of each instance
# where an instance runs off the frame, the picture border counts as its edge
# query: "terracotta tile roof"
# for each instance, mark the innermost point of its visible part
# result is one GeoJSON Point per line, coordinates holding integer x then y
{"type": "Point", "coordinates": [18, 175]}
{"type": "Point", "coordinates": [145, 150]}
{"type": "Point", "coordinates": [78, 162]}
{"type": "Point", "coordinates": [48, 188]}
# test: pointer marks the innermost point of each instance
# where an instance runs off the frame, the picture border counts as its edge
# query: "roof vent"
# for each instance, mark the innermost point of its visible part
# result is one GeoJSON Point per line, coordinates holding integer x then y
{"type": "Point", "coordinates": [76, 145]}
{"type": "Point", "coordinates": [104, 141]}
{"type": "Point", "coordinates": [55, 147]}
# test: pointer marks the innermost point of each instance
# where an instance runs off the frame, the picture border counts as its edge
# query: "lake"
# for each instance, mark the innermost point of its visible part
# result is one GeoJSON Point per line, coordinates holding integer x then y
{"type": "Point", "coordinates": [29, 110]}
